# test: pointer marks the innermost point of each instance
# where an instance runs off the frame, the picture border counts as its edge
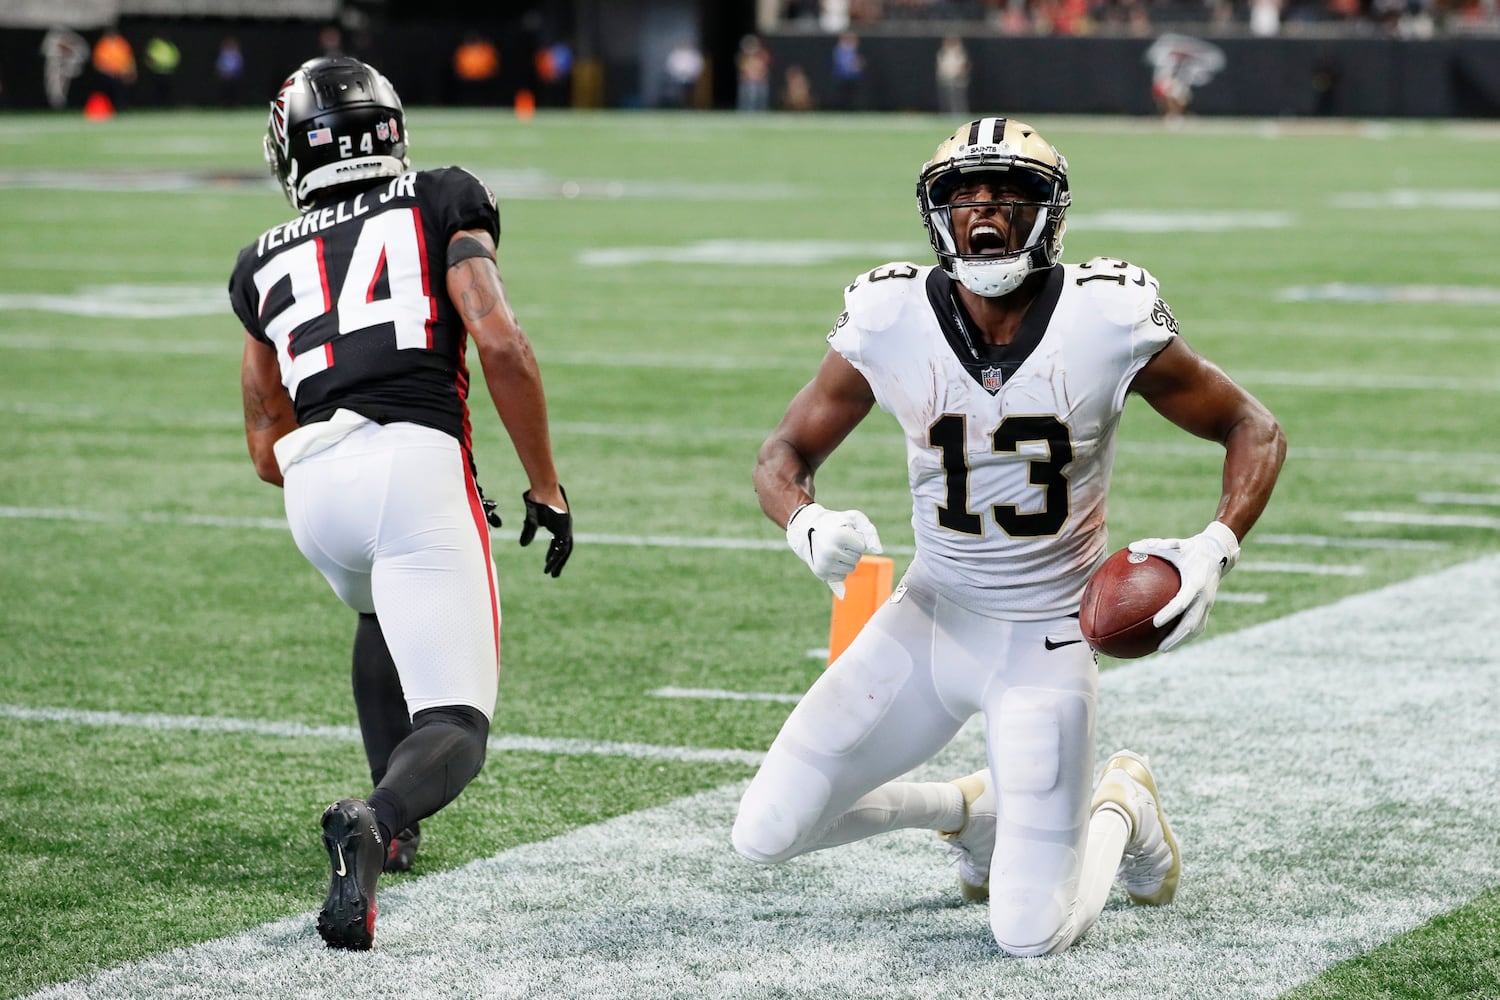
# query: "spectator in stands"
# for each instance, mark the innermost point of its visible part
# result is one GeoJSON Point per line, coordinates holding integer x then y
{"type": "Point", "coordinates": [476, 63]}
{"type": "Point", "coordinates": [554, 67]}
{"type": "Point", "coordinates": [1265, 18]}
{"type": "Point", "coordinates": [162, 59]}
{"type": "Point", "coordinates": [114, 61]}
{"type": "Point", "coordinates": [753, 64]}
{"type": "Point", "coordinates": [1008, 17]}
{"type": "Point", "coordinates": [1121, 16]}
{"type": "Point", "coordinates": [229, 68]}
{"type": "Point", "coordinates": [796, 90]}
{"type": "Point", "coordinates": [953, 77]}
{"type": "Point", "coordinates": [331, 42]}
{"type": "Point", "coordinates": [683, 70]}
{"type": "Point", "coordinates": [848, 74]}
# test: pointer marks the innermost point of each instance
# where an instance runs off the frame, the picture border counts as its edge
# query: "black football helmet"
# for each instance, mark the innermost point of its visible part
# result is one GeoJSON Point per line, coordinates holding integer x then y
{"type": "Point", "coordinates": [335, 121]}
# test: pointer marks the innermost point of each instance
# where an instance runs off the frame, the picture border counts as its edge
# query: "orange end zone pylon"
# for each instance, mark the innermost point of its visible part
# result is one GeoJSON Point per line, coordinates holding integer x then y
{"type": "Point", "coordinates": [865, 590]}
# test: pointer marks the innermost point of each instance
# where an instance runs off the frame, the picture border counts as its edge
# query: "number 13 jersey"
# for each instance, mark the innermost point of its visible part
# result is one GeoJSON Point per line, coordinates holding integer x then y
{"type": "Point", "coordinates": [352, 296]}
{"type": "Point", "coordinates": [1009, 449]}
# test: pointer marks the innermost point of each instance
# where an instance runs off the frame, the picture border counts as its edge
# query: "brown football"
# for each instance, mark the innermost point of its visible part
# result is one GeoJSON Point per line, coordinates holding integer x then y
{"type": "Point", "coordinates": [1119, 601]}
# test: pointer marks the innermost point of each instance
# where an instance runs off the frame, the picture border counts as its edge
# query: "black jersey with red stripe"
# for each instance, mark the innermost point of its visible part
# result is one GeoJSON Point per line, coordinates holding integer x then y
{"type": "Point", "coordinates": [353, 296]}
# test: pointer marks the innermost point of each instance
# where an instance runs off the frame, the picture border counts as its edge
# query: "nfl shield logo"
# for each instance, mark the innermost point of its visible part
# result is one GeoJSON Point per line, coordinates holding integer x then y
{"type": "Point", "coordinates": [990, 379]}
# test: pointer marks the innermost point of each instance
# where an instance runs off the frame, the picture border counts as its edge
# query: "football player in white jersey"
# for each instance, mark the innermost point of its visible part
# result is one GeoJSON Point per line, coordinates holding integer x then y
{"type": "Point", "coordinates": [357, 316]}
{"type": "Point", "coordinates": [1008, 372]}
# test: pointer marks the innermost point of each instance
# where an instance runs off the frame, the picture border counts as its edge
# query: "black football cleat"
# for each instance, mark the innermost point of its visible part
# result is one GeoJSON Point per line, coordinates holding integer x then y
{"type": "Point", "coordinates": [356, 855]}
{"type": "Point", "coordinates": [403, 850]}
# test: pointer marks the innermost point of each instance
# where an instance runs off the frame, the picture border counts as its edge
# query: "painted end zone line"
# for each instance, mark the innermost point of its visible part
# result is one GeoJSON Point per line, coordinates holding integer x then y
{"type": "Point", "coordinates": [1306, 840]}
{"type": "Point", "coordinates": [295, 730]}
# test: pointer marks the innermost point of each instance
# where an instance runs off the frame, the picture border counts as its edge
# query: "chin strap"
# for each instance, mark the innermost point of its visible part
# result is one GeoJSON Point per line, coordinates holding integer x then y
{"type": "Point", "coordinates": [992, 280]}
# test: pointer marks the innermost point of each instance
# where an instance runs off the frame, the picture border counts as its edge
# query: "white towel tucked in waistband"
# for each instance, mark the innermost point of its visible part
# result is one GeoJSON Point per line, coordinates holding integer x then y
{"type": "Point", "coordinates": [313, 438]}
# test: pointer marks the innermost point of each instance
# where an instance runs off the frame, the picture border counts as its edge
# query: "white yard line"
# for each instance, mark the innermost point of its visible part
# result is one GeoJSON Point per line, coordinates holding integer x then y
{"type": "Point", "coordinates": [1470, 499]}
{"type": "Point", "coordinates": [1307, 841]}
{"type": "Point", "coordinates": [294, 730]}
{"type": "Point", "coordinates": [1331, 542]}
{"type": "Point", "coordinates": [1357, 380]}
{"type": "Point", "coordinates": [717, 694]}
{"type": "Point", "coordinates": [1298, 568]}
{"type": "Point", "coordinates": [1423, 520]}
{"type": "Point", "coordinates": [587, 538]}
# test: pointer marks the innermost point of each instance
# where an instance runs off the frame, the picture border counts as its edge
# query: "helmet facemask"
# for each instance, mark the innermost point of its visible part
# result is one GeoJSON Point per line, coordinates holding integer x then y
{"type": "Point", "coordinates": [1011, 154]}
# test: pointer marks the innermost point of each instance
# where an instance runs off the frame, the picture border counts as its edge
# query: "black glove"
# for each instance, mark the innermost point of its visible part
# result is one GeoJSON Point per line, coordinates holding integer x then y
{"type": "Point", "coordinates": [560, 523]}
{"type": "Point", "coordinates": [491, 510]}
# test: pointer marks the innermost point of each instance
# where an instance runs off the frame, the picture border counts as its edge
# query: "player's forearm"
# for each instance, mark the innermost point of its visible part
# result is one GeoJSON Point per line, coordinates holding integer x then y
{"type": "Point", "coordinates": [1254, 451]}
{"type": "Point", "coordinates": [515, 386]}
{"type": "Point", "coordinates": [269, 414]}
{"type": "Point", "coordinates": [783, 480]}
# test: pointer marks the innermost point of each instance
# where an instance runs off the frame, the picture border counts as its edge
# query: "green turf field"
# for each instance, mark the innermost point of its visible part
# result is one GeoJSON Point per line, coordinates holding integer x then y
{"type": "Point", "coordinates": [176, 709]}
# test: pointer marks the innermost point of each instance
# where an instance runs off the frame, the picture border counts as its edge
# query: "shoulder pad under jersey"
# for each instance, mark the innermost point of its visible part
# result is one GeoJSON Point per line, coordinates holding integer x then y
{"type": "Point", "coordinates": [875, 299]}
{"type": "Point", "coordinates": [1122, 291]}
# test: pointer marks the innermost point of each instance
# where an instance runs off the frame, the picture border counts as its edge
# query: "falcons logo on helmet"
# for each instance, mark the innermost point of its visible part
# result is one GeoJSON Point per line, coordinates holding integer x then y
{"type": "Point", "coordinates": [278, 111]}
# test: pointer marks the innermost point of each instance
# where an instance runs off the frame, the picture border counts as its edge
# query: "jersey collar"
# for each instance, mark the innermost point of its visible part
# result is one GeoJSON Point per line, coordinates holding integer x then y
{"type": "Point", "coordinates": [988, 364]}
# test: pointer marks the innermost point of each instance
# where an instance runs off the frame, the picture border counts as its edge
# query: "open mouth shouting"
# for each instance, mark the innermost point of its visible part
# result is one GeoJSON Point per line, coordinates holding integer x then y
{"type": "Point", "coordinates": [986, 238]}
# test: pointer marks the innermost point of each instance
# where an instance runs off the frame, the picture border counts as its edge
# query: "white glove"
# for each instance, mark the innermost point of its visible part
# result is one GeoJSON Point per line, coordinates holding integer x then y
{"type": "Point", "coordinates": [1202, 562]}
{"type": "Point", "coordinates": [831, 541]}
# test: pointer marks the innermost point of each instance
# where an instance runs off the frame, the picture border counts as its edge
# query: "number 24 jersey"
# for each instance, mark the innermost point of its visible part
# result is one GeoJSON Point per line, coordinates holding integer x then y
{"type": "Point", "coordinates": [352, 296]}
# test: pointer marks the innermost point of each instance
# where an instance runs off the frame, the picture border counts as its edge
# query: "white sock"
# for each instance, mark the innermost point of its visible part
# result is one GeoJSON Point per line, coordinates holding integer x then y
{"type": "Point", "coordinates": [1108, 834]}
{"type": "Point", "coordinates": [898, 805]}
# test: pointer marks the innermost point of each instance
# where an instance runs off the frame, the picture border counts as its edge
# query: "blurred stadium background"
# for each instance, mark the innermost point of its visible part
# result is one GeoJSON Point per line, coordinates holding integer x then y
{"type": "Point", "coordinates": [1275, 57]}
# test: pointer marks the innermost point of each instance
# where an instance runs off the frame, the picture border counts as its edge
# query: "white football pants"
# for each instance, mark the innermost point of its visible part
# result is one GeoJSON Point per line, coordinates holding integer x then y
{"type": "Point", "coordinates": [391, 517]}
{"type": "Point", "coordinates": [915, 673]}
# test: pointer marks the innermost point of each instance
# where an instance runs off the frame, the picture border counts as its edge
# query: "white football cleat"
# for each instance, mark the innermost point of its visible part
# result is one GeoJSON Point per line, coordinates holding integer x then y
{"type": "Point", "coordinates": [974, 842]}
{"type": "Point", "coordinates": [1152, 862]}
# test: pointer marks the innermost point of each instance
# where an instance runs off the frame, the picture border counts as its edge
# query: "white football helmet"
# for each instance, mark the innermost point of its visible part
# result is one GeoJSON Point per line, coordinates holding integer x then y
{"type": "Point", "coordinates": [1003, 146]}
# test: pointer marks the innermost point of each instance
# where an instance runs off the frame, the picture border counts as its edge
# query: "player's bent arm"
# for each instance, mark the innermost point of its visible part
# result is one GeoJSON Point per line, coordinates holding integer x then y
{"type": "Point", "coordinates": [269, 414]}
{"type": "Point", "coordinates": [1196, 395]}
{"type": "Point", "coordinates": [510, 369]}
{"type": "Point", "coordinates": [816, 422]}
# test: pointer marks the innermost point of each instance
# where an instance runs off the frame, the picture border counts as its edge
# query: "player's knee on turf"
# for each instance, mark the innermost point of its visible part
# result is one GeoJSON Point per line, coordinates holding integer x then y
{"type": "Point", "coordinates": [781, 810]}
{"type": "Point", "coordinates": [1029, 923]}
{"type": "Point", "coordinates": [1034, 871]}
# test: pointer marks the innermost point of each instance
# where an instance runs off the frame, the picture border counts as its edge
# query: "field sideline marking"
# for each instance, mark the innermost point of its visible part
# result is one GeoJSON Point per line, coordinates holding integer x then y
{"type": "Point", "coordinates": [1306, 841]}
{"type": "Point", "coordinates": [349, 734]}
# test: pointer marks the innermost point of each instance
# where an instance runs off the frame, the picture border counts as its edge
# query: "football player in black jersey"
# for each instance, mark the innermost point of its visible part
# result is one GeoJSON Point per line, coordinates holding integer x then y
{"type": "Point", "coordinates": [357, 315]}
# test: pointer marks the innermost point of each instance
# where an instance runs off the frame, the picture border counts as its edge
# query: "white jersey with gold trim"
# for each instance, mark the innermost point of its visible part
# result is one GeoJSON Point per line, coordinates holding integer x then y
{"type": "Point", "coordinates": [1009, 450]}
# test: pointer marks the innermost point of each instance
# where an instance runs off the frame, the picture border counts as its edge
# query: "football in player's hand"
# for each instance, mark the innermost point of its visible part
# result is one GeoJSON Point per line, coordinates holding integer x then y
{"type": "Point", "coordinates": [1120, 599]}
